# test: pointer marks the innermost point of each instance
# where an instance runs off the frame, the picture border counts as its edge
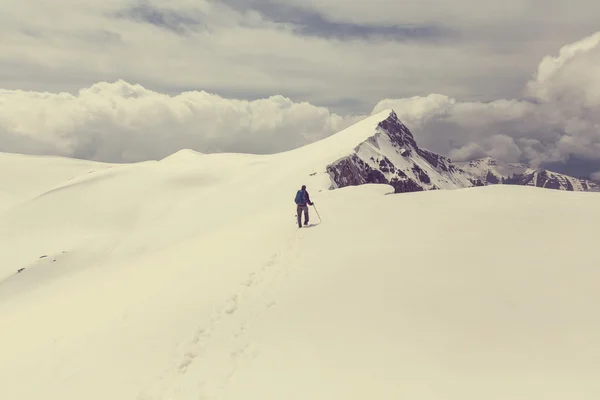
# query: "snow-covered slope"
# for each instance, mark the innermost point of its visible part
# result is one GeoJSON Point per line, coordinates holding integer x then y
{"type": "Point", "coordinates": [490, 171]}
{"type": "Point", "coordinates": [23, 176]}
{"type": "Point", "coordinates": [187, 278]}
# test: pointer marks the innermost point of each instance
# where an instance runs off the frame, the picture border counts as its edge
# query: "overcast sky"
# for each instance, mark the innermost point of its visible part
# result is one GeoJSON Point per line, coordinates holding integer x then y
{"type": "Point", "coordinates": [121, 80]}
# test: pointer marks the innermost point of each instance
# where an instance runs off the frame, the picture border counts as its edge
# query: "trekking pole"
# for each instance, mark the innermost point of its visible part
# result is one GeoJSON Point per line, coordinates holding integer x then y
{"type": "Point", "coordinates": [317, 213]}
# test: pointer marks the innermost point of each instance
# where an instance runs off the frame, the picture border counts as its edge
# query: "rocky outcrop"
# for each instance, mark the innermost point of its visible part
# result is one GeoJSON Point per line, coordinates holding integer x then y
{"type": "Point", "coordinates": [353, 171]}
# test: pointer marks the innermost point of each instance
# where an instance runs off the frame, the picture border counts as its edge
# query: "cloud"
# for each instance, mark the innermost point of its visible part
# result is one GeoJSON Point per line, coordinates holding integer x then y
{"type": "Point", "coordinates": [309, 22]}
{"type": "Point", "coordinates": [323, 52]}
{"type": "Point", "coordinates": [557, 120]}
{"type": "Point", "coordinates": [459, 13]}
{"type": "Point", "coordinates": [172, 20]}
{"type": "Point", "coordinates": [595, 176]}
{"type": "Point", "coordinates": [469, 151]}
{"type": "Point", "coordinates": [121, 122]}
{"type": "Point", "coordinates": [500, 147]}
{"type": "Point", "coordinates": [568, 76]}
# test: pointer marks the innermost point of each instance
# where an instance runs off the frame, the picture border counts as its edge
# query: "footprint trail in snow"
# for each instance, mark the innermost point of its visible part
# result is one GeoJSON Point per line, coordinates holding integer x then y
{"type": "Point", "coordinates": [225, 341]}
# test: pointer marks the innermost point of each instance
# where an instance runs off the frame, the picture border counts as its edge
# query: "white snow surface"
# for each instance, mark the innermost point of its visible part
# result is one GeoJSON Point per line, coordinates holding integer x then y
{"type": "Point", "coordinates": [187, 278]}
{"type": "Point", "coordinates": [23, 176]}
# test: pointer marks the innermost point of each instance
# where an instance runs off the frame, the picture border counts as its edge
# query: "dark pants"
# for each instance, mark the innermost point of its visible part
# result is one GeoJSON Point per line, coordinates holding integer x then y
{"type": "Point", "coordinates": [299, 212]}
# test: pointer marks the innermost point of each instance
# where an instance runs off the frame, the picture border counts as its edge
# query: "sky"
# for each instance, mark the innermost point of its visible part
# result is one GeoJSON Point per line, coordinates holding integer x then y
{"type": "Point", "coordinates": [126, 81]}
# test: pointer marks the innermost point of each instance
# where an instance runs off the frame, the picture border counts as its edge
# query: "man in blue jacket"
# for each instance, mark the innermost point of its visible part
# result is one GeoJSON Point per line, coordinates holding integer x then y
{"type": "Point", "coordinates": [302, 202]}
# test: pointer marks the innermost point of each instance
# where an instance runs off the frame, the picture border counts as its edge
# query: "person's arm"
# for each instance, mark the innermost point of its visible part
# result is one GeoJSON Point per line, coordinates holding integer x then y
{"type": "Point", "coordinates": [310, 203]}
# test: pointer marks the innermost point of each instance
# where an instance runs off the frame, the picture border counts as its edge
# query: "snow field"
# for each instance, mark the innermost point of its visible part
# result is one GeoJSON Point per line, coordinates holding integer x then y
{"type": "Point", "coordinates": [188, 278]}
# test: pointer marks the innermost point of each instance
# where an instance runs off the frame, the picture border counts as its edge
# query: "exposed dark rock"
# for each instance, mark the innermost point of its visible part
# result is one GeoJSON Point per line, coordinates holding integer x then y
{"type": "Point", "coordinates": [385, 165]}
{"type": "Point", "coordinates": [375, 176]}
{"type": "Point", "coordinates": [437, 161]}
{"type": "Point", "coordinates": [491, 178]}
{"type": "Point", "coordinates": [423, 177]}
{"type": "Point", "coordinates": [523, 179]}
{"type": "Point", "coordinates": [399, 134]}
{"type": "Point", "coordinates": [405, 185]}
{"type": "Point", "coordinates": [350, 171]}
{"type": "Point", "coordinates": [543, 180]}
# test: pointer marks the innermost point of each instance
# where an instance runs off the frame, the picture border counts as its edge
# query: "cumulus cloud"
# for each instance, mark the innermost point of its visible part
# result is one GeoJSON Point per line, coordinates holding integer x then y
{"type": "Point", "coordinates": [595, 176]}
{"type": "Point", "coordinates": [569, 77]}
{"type": "Point", "coordinates": [500, 147]}
{"type": "Point", "coordinates": [469, 151]}
{"type": "Point", "coordinates": [121, 122]}
{"type": "Point", "coordinates": [558, 119]}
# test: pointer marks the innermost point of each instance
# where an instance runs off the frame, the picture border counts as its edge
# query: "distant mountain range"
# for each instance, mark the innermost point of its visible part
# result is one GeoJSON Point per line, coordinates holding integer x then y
{"type": "Point", "coordinates": [391, 156]}
{"type": "Point", "coordinates": [490, 172]}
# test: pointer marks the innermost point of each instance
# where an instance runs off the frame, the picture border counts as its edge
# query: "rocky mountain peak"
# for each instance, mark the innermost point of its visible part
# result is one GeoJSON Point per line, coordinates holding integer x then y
{"type": "Point", "coordinates": [398, 133]}
{"type": "Point", "coordinates": [390, 155]}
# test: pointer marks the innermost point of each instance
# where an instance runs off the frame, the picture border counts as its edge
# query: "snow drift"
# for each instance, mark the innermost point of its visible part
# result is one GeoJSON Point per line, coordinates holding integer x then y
{"type": "Point", "coordinates": [187, 278]}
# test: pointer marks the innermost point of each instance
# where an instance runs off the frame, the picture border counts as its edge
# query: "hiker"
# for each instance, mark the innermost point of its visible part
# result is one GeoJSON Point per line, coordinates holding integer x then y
{"type": "Point", "coordinates": [302, 202]}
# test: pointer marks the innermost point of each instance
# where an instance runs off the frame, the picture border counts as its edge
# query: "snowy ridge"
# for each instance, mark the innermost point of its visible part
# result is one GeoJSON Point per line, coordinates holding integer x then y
{"type": "Point", "coordinates": [26, 176]}
{"type": "Point", "coordinates": [490, 171]}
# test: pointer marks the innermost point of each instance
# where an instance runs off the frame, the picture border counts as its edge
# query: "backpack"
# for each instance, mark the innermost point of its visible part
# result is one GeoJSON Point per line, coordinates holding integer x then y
{"type": "Point", "coordinates": [299, 197]}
